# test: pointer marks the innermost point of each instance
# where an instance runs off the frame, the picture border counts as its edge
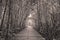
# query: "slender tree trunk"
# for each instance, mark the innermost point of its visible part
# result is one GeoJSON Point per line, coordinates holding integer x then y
{"type": "Point", "coordinates": [3, 15]}
{"type": "Point", "coordinates": [8, 24]}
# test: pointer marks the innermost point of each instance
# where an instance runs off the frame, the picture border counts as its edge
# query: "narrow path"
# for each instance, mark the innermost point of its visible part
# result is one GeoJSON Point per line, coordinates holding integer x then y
{"type": "Point", "coordinates": [29, 34]}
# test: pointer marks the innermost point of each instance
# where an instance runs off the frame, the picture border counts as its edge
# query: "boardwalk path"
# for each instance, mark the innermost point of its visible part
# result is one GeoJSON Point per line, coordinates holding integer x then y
{"type": "Point", "coordinates": [29, 34]}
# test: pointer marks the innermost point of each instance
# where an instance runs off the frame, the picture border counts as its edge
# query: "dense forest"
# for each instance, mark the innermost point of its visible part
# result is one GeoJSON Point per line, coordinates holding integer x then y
{"type": "Point", "coordinates": [13, 14]}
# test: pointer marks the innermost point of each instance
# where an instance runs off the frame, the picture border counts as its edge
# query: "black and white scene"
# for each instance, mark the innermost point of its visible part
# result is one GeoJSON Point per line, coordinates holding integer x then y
{"type": "Point", "coordinates": [29, 19]}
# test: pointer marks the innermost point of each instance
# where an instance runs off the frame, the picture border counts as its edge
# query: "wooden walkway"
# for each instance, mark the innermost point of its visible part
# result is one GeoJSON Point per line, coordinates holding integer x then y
{"type": "Point", "coordinates": [29, 34]}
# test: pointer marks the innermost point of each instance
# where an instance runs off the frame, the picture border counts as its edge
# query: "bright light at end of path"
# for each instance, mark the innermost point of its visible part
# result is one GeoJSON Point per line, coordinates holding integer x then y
{"type": "Point", "coordinates": [30, 15]}
{"type": "Point", "coordinates": [29, 27]}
